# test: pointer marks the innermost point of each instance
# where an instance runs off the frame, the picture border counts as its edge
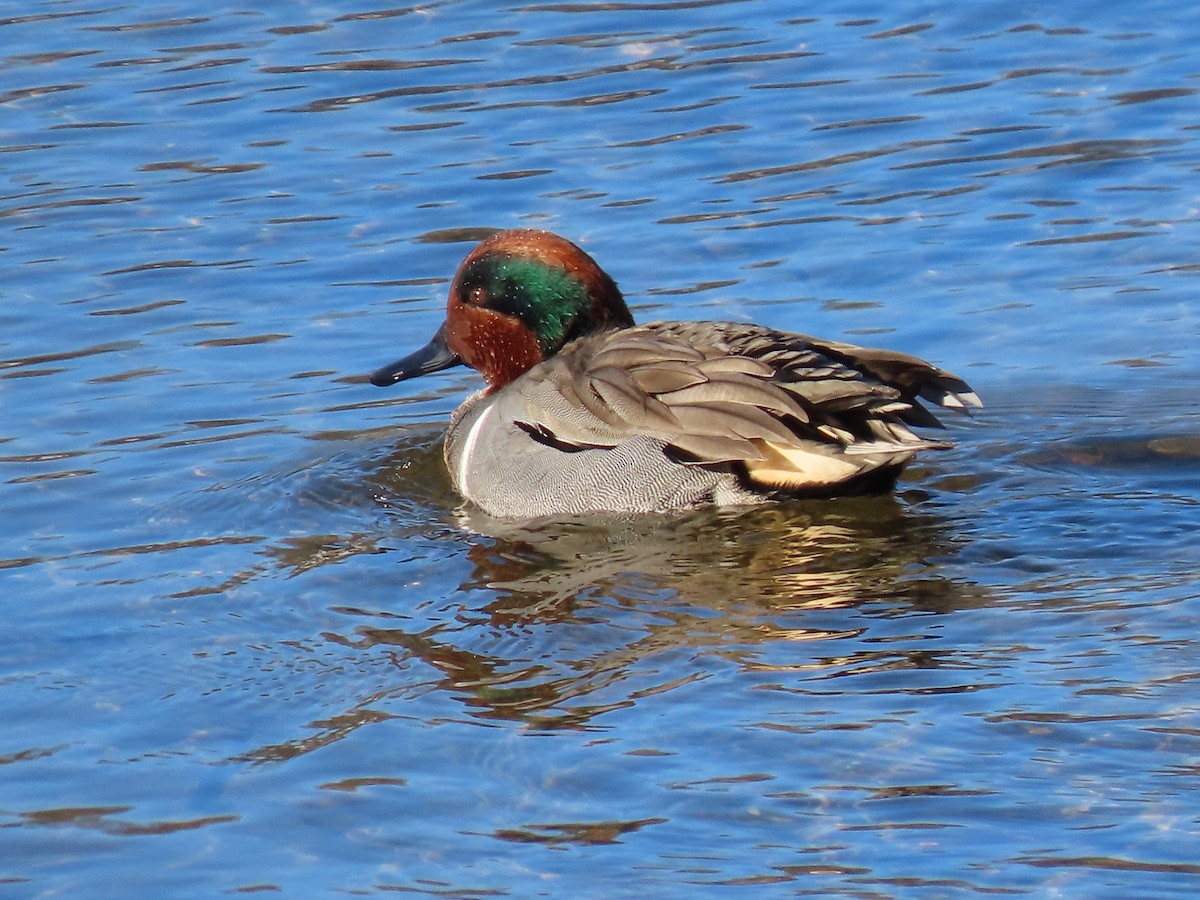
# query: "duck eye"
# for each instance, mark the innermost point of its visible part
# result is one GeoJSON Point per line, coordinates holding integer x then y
{"type": "Point", "coordinates": [477, 296]}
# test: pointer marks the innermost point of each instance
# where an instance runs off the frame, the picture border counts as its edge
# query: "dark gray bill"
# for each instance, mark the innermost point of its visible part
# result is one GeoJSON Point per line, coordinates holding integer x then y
{"type": "Point", "coordinates": [433, 357]}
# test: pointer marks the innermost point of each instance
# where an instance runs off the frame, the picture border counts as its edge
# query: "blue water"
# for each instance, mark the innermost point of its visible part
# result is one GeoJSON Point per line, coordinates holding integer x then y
{"type": "Point", "coordinates": [252, 641]}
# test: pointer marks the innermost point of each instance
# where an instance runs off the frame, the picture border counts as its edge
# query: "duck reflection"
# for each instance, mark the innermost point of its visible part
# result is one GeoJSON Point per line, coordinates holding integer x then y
{"type": "Point", "coordinates": [559, 622]}
{"type": "Point", "coordinates": [789, 556]}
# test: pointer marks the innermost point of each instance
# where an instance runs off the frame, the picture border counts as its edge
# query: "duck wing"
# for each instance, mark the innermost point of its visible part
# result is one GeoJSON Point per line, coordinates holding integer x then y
{"type": "Point", "coordinates": [788, 411]}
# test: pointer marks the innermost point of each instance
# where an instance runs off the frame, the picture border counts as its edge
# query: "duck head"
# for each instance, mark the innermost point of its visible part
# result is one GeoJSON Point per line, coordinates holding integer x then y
{"type": "Point", "coordinates": [515, 301]}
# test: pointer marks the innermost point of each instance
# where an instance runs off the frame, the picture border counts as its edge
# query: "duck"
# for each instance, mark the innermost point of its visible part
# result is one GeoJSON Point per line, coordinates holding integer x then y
{"type": "Point", "coordinates": [583, 411]}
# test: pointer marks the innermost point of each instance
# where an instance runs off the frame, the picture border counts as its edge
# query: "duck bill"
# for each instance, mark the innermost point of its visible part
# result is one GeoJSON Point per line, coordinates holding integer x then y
{"type": "Point", "coordinates": [433, 357]}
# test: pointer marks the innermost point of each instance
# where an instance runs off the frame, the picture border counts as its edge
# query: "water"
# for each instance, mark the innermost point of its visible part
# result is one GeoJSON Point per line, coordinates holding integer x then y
{"type": "Point", "coordinates": [253, 641]}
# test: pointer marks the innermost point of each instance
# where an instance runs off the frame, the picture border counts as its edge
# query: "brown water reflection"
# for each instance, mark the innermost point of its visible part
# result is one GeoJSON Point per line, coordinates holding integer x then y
{"type": "Point", "coordinates": [561, 623]}
{"type": "Point", "coordinates": [783, 557]}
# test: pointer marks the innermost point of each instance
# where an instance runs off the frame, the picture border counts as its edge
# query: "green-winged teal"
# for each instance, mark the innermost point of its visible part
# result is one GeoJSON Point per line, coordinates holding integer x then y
{"type": "Point", "coordinates": [586, 412]}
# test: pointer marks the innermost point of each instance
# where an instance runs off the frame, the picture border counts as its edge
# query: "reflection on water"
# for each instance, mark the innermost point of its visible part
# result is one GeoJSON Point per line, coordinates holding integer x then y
{"type": "Point", "coordinates": [634, 588]}
{"type": "Point", "coordinates": [254, 642]}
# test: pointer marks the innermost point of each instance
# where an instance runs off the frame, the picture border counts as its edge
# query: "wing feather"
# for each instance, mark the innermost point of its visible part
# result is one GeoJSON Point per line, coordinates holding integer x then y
{"type": "Point", "coordinates": [792, 412]}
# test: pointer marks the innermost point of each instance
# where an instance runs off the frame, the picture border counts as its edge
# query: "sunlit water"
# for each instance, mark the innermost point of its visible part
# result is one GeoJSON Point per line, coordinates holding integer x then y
{"type": "Point", "coordinates": [253, 642]}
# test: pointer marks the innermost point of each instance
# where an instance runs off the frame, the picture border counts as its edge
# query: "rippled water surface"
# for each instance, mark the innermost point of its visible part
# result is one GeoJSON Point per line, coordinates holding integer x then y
{"type": "Point", "coordinates": [252, 641]}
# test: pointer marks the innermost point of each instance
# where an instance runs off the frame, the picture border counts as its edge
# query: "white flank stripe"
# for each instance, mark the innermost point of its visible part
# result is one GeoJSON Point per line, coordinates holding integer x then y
{"type": "Point", "coordinates": [464, 461]}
